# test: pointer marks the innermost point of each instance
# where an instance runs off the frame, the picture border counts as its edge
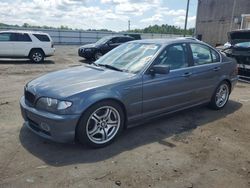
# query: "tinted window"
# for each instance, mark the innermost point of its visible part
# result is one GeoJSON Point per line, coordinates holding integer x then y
{"type": "Point", "coordinates": [125, 39]}
{"type": "Point", "coordinates": [201, 54]}
{"type": "Point", "coordinates": [23, 37]}
{"type": "Point", "coordinates": [43, 38]}
{"type": "Point", "coordinates": [115, 40]}
{"type": "Point", "coordinates": [174, 56]}
{"type": "Point", "coordinates": [5, 36]}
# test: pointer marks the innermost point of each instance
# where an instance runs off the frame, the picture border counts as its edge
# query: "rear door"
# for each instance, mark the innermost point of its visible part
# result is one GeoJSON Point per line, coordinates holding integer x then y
{"type": "Point", "coordinates": [206, 71]}
{"type": "Point", "coordinates": [21, 45]}
{"type": "Point", "coordinates": [166, 92]}
{"type": "Point", "coordinates": [6, 44]}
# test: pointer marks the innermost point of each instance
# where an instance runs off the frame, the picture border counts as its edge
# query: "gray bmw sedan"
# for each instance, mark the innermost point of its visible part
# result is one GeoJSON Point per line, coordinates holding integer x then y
{"type": "Point", "coordinates": [137, 81]}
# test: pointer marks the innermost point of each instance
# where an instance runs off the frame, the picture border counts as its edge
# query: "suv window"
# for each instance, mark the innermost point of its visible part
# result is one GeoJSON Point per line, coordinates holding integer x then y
{"type": "Point", "coordinates": [22, 37]}
{"type": "Point", "coordinates": [116, 40]}
{"type": "Point", "coordinates": [174, 56]}
{"type": "Point", "coordinates": [124, 39]}
{"type": "Point", "coordinates": [5, 37]}
{"type": "Point", "coordinates": [43, 38]}
{"type": "Point", "coordinates": [201, 54]}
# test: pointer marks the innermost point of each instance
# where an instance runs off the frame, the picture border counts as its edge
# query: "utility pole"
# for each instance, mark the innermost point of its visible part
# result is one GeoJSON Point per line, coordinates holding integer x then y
{"type": "Point", "coordinates": [128, 25]}
{"type": "Point", "coordinates": [186, 19]}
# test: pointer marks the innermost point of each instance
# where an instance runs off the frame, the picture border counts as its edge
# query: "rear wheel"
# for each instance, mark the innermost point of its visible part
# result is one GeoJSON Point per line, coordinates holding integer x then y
{"type": "Point", "coordinates": [36, 56]}
{"type": "Point", "coordinates": [220, 96]}
{"type": "Point", "coordinates": [100, 124]}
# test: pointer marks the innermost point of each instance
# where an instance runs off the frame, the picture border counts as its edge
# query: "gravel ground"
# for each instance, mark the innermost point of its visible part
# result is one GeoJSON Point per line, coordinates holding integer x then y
{"type": "Point", "coordinates": [193, 148]}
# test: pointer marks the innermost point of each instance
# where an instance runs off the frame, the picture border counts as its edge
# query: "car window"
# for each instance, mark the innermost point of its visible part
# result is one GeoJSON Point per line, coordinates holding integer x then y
{"type": "Point", "coordinates": [115, 40]}
{"type": "Point", "coordinates": [201, 54]}
{"type": "Point", "coordinates": [43, 38]}
{"type": "Point", "coordinates": [130, 57]}
{"type": "Point", "coordinates": [22, 37]}
{"type": "Point", "coordinates": [5, 37]}
{"type": "Point", "coordinates": [243, 44]}
{"type": "Point", "coordinates": [124, 39]}
{"type": "Point", "coordinates": [175, 56]}
{"type": "Point", "coordinates": [215, 56]}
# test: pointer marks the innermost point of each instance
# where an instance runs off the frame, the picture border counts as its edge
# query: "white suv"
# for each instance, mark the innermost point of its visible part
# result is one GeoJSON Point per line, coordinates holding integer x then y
{"type": "Point", "coordinates": [22, 44]}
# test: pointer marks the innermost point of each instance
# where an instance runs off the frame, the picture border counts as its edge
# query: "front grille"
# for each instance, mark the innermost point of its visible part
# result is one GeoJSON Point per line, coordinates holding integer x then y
{"type": "Point", "coordinates": [29, 97]}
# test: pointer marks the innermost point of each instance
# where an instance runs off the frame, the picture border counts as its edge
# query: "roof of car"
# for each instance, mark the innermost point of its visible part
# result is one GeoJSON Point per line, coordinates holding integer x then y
{"type": "Point", "coordinates": [23, 31]}
{"type": "Point", "coordinates": [167, 41]}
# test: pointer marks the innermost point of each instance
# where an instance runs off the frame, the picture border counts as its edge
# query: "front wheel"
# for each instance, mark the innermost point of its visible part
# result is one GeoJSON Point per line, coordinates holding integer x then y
{"type": "Point", "coordinates": [100, 124]}
{"type": "Point", "coordinates": [220, 96]}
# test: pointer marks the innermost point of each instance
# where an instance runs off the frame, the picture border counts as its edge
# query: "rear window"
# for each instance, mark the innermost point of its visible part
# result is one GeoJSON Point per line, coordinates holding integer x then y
{"type": "Point", "coordinates": [43, 38]}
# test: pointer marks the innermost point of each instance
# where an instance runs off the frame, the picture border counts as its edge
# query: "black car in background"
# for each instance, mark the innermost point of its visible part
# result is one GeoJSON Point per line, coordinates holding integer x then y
{"type": "Point", "coordinates": [102, 46]}
{"type": "Point", "coordinates": [238, 47]}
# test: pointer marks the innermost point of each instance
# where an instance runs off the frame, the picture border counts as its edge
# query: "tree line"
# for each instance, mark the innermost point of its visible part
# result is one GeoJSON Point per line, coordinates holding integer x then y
{"type": "Point", "coordinates": [162, 29]}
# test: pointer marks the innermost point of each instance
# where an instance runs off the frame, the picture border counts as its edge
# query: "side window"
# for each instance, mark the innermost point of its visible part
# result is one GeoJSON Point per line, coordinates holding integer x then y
{"type": "Point", "coordinates": [201, 54]}
{"type": "Point", "coordinates": [43, 38]}
{"type": "Point", "coordinates": [124, 39]}
{"type": "Point", "coordinates": [22, 37]}
{"type": "Point", "coordinates": [215, 56]}
{"type": "Point", "coordinates": [115, 40]}
{"type": "Point", "coordinates": [4, 37]}
{"type": "Point", "coordinates": [174, 56]}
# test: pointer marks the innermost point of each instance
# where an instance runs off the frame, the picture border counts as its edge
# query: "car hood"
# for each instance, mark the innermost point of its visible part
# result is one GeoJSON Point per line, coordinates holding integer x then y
{"type": "Point", "coordinates": [235, 37]}
{"type": "Point", "coordinates": [89, 46]}
{"type": "Point", "coordinates": [65, 83]}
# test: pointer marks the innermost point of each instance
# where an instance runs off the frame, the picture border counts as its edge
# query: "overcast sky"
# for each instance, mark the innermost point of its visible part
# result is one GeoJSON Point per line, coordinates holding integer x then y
{"type": "Point", "coordinates": [97, 14]}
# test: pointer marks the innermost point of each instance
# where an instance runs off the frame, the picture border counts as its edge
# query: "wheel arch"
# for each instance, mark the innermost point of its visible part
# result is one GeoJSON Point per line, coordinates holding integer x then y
{"type": "Point", "coordinates": [32, 49]}
{"type": "Point", "coordinates": [119, 102]}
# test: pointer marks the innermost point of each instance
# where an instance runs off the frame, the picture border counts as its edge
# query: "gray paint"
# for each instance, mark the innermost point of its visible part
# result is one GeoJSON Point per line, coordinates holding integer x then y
{"type": "Point", "coordinates": [144, 96]}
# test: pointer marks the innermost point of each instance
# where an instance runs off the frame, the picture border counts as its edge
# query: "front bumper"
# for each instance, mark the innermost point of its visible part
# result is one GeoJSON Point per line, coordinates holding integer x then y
{"type": "Point", "coordinates": [86, 55]}
{"type": "Point", "coordinates": [59, 128]}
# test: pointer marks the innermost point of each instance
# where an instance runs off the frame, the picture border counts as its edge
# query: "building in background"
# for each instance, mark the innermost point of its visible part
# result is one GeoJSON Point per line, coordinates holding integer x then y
{"type": "Point", "coordinates": [216, 17]}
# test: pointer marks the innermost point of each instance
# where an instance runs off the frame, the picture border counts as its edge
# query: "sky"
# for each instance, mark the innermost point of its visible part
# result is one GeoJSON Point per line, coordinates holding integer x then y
{"type": "Point", "coordinates": [97, 14]}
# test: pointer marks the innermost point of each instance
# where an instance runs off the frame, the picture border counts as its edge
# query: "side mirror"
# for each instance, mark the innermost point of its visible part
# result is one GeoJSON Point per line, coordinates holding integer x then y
{"type": "Point", "coordinates": [159, 69]}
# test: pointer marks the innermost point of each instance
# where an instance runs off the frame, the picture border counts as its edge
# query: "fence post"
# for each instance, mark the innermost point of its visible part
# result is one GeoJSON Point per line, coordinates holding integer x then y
{"type": "Point", "coordinates": [59, 35]}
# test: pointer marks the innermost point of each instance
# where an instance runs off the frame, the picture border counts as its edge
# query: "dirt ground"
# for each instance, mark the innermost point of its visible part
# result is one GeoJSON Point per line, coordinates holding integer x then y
{"type": "Point", "coordinates": [194, 148]}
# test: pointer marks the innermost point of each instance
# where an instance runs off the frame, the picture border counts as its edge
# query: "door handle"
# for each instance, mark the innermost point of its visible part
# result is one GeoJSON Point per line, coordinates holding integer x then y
{"type": "Point", "coordinates": [187, 74]}
{"type": "Point", "coordinates": [216, 68]}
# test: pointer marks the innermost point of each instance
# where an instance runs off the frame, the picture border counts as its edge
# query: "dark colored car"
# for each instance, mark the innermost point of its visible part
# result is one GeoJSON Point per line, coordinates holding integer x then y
{"type": "Point", "coordinates": [238, 47]}
{"type": "Point", "coordinates": [136, 81]}
{"type": "Point", "coordinates": [102, 46]}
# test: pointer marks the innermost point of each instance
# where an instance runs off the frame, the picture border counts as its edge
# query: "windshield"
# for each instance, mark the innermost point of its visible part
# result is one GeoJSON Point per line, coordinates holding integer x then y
{"type": "Point", "coordinates": [129, 57]}
{"type": "Point", "coordinates": [103, 40]}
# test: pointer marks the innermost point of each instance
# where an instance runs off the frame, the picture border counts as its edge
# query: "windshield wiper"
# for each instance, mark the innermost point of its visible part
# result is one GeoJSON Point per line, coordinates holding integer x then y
{"type": "Point", "coordinates": [97, 65]}
{"type": "Point", "coordinates": [111, 67]}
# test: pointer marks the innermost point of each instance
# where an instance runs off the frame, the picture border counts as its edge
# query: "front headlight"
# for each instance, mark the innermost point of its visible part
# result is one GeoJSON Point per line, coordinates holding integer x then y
{"type": "Point", "coordinates": [52, 105]}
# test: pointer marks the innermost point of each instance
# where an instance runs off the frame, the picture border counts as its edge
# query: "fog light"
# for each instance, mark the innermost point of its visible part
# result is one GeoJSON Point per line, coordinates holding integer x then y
{"type": "Point", "coordinates": [45, 126]}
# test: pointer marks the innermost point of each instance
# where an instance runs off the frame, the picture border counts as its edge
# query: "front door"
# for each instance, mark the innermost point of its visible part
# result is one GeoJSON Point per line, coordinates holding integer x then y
{"type": "Point", "coordinates": [167, 92]}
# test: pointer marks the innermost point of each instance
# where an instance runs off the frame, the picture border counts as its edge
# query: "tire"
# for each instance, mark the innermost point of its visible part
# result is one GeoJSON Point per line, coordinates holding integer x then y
{"type": "Point", "coordinates": [97, 55]}
{"type": "Point", "coordinates": [220, 96]}
{"type": "Point", "coordinates": [36, 56]}
{"type": "Point", "coordinates": [100, 124]}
